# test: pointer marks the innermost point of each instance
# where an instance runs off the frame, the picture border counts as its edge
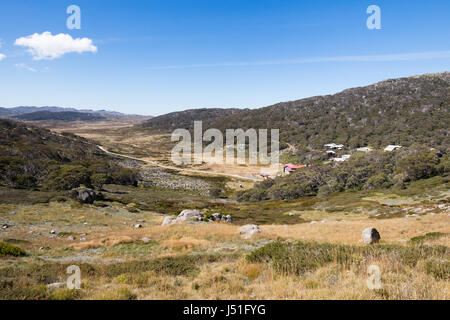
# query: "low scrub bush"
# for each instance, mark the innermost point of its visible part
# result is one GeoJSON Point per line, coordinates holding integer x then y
{"type": "Point", "coordinates": [10, 250]}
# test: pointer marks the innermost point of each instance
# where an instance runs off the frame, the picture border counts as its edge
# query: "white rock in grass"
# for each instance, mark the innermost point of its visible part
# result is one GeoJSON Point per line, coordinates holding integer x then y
{"type": "Point", "coordinates": [189, 215]}
{"type": "Point", "coordinates": [370, 236]}
{"type": "Point", "coordinates": [56, 285]}
{"type": "Point", "coordinates": [249, 231]}
{"type": "Point", "coordinates": [167, 221]}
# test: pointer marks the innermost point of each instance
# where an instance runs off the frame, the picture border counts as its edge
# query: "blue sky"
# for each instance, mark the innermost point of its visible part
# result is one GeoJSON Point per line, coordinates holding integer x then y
{"type": "Point", "coordinates": [154, 57]}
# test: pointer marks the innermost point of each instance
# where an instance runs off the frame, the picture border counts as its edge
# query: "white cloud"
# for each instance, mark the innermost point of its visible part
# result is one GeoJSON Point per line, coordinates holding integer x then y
{"type": "Point", "coordinates": [24, 66]}
{"type": "Point", "coordinates": [46, 46]}
{"type": "Point", "coordinates": [2, 56]}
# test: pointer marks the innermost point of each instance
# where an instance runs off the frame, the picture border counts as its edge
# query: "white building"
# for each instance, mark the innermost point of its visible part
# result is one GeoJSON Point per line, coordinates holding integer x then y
{"type": "Point", "coordinates": [334, 146]}
{"type": "Point", "coordinates": [392, 148]}
{"type": "Point", "coordinates": [364, 149]}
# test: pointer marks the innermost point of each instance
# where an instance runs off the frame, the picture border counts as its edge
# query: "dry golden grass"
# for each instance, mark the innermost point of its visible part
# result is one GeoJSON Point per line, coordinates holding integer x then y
{"type": "Point", "coordinates": [396, 230]}
{"type": "Point", "coordinates": [184, 243]}
{"type": "Point", "coordinates": [230, 278]}
{"type": "Point", "coordinates": [107, 241]}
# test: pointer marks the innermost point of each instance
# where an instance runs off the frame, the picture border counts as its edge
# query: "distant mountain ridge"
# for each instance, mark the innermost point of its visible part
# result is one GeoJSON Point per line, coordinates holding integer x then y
{"type": "Point", "coordinates": [60, 116]}
{"type": "Point", "coordinates": [15, 111]}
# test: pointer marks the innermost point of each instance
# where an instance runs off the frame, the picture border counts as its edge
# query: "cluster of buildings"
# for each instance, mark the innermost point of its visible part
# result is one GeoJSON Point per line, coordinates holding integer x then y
{"type": "Point", "coordinates": [332, 146]}
{"type": "Point", "coordinates": [331, 152]}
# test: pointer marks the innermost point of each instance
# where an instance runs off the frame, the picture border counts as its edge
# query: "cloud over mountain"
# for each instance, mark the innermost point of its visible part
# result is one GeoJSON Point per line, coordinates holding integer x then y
{"type": "Point", "coordinates": [46, 46]}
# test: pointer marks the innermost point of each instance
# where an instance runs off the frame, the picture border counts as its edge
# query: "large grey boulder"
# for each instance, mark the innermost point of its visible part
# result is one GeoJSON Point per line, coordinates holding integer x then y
{"type": "Point", "coordinates": [85, 195]}
{"type": "Point", "coordinates": [192, 215]}
{"type": "Point", "coordinates": [370, 236]}
{"type": "Point", "coordinates": [249, 230]}
{"type": "Point", "coordinates": [184, 216]}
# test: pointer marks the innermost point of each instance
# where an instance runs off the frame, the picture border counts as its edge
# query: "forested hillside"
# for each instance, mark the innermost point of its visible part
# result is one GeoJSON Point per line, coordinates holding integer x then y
{"type": "Point", "coordinates": [35, 157]}
{"type": "Point", "coordinates": [399, 111]}
{"type": "Point", "coordinates": [185, 119]}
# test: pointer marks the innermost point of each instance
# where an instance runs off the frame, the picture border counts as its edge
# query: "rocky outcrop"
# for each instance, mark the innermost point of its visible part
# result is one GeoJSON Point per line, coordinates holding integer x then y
{"type": "Point", "coordinates": [184, 216]}
{"type": "Point", "coordinates": [84, 195]}
{"type": "Point", "coordinates": [196, 216]}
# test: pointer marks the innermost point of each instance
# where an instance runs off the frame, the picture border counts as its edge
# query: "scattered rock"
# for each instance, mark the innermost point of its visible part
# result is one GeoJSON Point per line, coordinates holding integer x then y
{"type": "Point", "coordinates": [370, 236]}
{"type": "Point", "coordinates": [56, 285]}
{"type": "Point", "coordinates": [249, 230]}
{"type": "Point", "coordinates": [228, 218]}
{"type": "Point", "coordinates": [219, 217]}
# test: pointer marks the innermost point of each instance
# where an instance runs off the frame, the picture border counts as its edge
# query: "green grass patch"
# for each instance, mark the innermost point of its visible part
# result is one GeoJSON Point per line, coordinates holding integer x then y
{"type": "Point", "coordinates": [428, 236]}
{"type": "Point", "coordinates": [16, 241]}
{"type": "Point", "coordinates": [300, 257]}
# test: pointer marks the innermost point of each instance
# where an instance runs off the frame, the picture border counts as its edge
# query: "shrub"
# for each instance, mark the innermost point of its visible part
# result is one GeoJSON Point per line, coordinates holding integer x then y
{"type": "Point", "coordinates": [25, 181]}
{"type": "Point", "coordinates": [124, 176]}
{"type": "Point", "coordinates": [98, 180]}
{"type": "Point", "coordinates": [378, 181]}
{"type": "Point", "coordinates": [10, 250]}
{"type": "Point", "coordinates": [67, 177]}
